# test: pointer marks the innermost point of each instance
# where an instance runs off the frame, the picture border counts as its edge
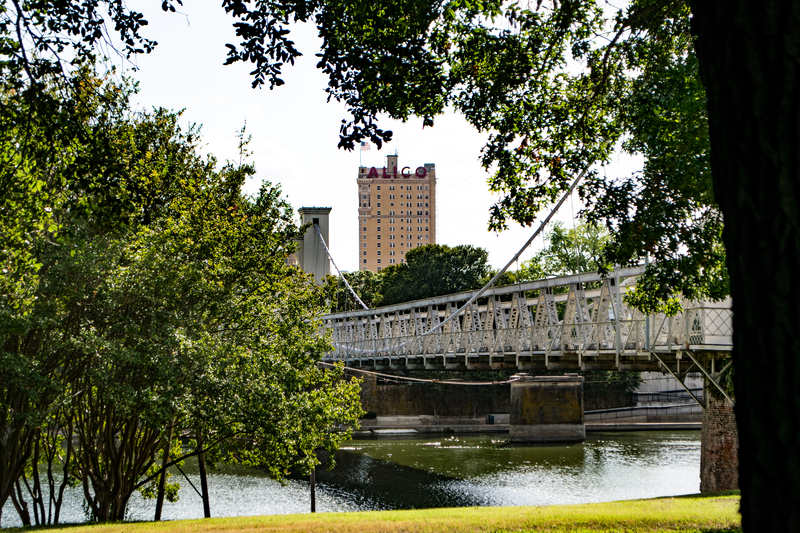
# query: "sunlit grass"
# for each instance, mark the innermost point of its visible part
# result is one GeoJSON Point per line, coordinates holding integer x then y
{"type": "Point", "coordinates": [696, 514]}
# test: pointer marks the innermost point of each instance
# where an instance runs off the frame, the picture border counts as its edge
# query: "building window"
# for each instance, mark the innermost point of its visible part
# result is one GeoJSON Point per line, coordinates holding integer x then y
{"type": "Point", "coordinates": [426, 196]}
{"type": "Point", "coordinates": [379, 252]}
{"type": "Point", "coordinates": [391, 228]}
{"type": "Point", "coordinates": [379, 228]}
{"type": "Point", "coordinates": [379, 212]}
{"type": "Point", "coordinates": [365, 228]}
{"type": "Point", "coordinates": [379, 204]}
{"type": "Point", "coordinates": [365, 245]}
{"type": "Point", "coordinates": [408, 196]}
{"type": "Point", "coordinates": [402, 244]}
{"type": "Point", "coordinates": [391, 213]}
{"type": "Point", "coordinates": [391, 221]}
{"type": "Point", "coordinates": [419, 228]}
{"type": "Point", "coordinates": [426, 213]}
{"type": "Point", "coordinates": [419, 197]}
{"type": "Point", "coordinates": [419, 187]}
{"type": "Point", "coordinates": [391, 237]}
{"type": "Point", "coordinates": [365, 252]}
{"type": "Point", "coordinates": [379, 245]}
{"type": "Point", "coordinates": [379, 187]}
{"type": "Point", "coordinates": [364, 196]}
{"type": "Point", "coordinates": [419, 212]}
{"type": "Point", "coordinates": [391, 197]}
{"type": "Point", "coordinates": [391, 245]}
{"type": "Point", "coordinates": [426, 237]}
{"type": "Point", "coordinates": [365, 261]}
{"type": "Point", "coordinates": [426, 220]}
{"type": "Point", "coordinates": [391, 187]}
{"type": "Point", "coordinates": [419, 237]}
{"type": "Point", "coordinates": [391, 252]}
{"type": "Point", "coordinates": [426, 204]}
{"type": "Point", "coordinates": [379, 262]}
{"type": "Point", "coordinates": [426, 187]}
{"type": "Point", "coordinates": [379, 197]}
{"type": "Point", "coordinates": [379, 220]}
{"type": "Point", "coordinates": [426, 228]}
{"type": "Point", "coordinates": [391, 261]}
{"type": "Point", "coordinates": [379, 237]}
{"type": "Point", "coordinates": [391, 204]}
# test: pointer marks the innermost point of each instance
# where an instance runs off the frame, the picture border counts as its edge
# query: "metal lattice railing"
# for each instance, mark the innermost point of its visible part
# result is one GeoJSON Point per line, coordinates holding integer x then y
{"type": "Point", "coordinates": [582, 316]}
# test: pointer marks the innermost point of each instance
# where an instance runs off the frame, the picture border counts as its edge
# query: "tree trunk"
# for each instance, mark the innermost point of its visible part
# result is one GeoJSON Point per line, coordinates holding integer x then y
{"type": "Point", "coordinates": [65, 480]}
{"type": "Point", "coordinates": [162, 479]}
{"type": "Point", "coordinates": [749, 56]}
{"type": "Point", "coordinates": [21, 506]}
{"type": "Point", "coordinates": [201, 461]}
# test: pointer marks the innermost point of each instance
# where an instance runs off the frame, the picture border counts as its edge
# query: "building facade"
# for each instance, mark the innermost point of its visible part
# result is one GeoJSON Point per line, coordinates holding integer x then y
{"type": "Point", "coordinates": [396, 212]}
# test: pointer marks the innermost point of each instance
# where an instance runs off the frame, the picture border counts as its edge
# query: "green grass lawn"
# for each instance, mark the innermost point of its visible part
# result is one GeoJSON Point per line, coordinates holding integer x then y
{"type": "Point", "coordinates": [707, 513]}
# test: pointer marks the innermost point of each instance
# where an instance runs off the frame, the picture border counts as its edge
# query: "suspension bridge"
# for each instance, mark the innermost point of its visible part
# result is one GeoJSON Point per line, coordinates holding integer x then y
{"type": "Point", "coordinates": [570, 323]}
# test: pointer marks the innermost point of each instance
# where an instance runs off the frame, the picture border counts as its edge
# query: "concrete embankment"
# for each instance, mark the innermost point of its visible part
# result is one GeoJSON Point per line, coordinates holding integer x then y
{"type": "Point", "coordinates": [388, 425]}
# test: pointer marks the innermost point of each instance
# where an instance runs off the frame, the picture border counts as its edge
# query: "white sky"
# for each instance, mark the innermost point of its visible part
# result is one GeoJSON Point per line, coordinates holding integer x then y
{"type": "Point", "coordinates": [295, 132]}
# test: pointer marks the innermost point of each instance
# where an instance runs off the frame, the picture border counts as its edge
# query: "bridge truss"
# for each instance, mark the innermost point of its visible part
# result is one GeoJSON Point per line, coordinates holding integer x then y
{"type": "Point", "coordinates": [569, 323]}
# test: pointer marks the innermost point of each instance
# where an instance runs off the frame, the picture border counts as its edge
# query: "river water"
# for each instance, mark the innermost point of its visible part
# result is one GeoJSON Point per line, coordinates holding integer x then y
{"type": "Point", "coordinates": [419, 471]}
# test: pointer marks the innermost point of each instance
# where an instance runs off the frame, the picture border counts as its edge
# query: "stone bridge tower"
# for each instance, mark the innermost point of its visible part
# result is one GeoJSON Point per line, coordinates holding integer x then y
{"type": "Point", "coordinates": [311, 255]}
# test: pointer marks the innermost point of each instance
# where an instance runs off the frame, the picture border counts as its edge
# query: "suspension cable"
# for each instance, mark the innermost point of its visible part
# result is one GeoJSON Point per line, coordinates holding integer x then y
{"type": "Point", "coordinates": [418, 380]}
{"type": "Point", "coordinates": [316, 227]}
{"type": "Point", "coordinates": [516, 256]}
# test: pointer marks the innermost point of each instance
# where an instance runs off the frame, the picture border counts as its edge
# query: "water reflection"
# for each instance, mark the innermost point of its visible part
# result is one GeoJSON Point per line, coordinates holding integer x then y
{"type": "Point", "coordinates": [481, 470]}
{"type": "Point", "coordinates": [403, 472]}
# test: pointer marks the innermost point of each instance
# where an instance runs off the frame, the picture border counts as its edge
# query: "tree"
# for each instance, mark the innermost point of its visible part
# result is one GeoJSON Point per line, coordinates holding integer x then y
{"type": "Point", "coordinates": [182, 319]}
{"type": "Point", "coordinates": [47, 173]}
{"type": "Point", "coordinates": [746, 66]}
{"type": "Point", "coordinates": [568, 251]}
{"type": "Point", "coordinates": [434, 270]}
{"type": "Point", "coordinates": [365, 283]}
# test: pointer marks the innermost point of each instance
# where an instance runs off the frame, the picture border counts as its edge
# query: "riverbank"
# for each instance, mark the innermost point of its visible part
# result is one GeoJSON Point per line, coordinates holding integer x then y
{"type": "Point", "coordinates": [708, 513]}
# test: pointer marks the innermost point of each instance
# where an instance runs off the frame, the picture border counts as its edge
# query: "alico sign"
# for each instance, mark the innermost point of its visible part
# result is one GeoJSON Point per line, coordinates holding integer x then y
{"type": "Point", "coordinates": [421, 172]}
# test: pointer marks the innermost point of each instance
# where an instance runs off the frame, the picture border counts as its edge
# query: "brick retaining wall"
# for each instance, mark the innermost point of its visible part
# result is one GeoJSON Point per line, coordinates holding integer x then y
{"type": "Point", "coordinates": [719, 456]}
{"type": "Point", "coordinates": [460, 401]}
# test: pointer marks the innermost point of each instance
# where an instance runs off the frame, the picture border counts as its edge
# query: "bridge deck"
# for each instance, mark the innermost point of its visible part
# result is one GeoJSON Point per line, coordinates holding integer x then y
{"type": "Point", "coordinates": [578, 322]}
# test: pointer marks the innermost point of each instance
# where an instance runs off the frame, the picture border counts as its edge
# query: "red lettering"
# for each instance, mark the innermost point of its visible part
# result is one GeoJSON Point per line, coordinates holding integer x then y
{"type": "Point", "coordinates": [404, 173]}
{"type": "Point", "coordinates": [373, 173]}
{"type": "Point", "coordinates": [385, 175]}
{"type": "Point", "coordinates": [421, 172]}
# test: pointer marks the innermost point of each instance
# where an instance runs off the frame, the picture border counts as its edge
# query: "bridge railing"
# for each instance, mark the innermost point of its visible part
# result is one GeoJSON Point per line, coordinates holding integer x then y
{"type": "Point", "coordinates": [581, 315]}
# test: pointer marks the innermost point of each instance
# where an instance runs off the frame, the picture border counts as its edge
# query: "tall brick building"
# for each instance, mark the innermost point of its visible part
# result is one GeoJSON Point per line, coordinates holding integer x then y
{"type": "Point", "coordinates": [396, 212]}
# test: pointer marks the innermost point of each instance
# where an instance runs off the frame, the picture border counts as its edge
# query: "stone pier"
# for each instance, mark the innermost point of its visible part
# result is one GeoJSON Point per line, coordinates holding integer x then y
{"type": "Point", "coordinates": [547, 409]}
{"type": "Point", "coordinates": [719, 447]}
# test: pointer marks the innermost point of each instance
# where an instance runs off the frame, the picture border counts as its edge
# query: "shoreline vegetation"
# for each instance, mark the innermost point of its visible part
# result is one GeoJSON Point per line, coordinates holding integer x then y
{"type": "Point", "coordinates": [706, 513]}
